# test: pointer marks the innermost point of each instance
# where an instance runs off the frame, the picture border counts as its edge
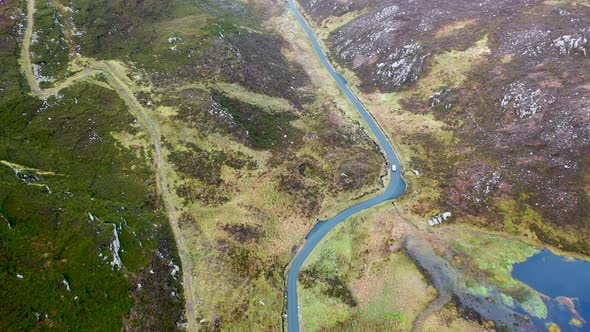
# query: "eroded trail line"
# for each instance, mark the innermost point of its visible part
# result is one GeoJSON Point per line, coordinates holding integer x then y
{"type": "Point", "coordinates": [25, 52]}
{"type": "Point", "coordinates": [118, 81]}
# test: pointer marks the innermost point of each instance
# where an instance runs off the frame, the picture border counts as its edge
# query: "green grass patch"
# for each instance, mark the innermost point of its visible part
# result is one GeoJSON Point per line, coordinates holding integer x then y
{"type": "Point", "coordinates": [495, 255]}
{"type": "Point", "coordinates": [52, 236]}
{"type": "Point", "coordinates": [49, 50]}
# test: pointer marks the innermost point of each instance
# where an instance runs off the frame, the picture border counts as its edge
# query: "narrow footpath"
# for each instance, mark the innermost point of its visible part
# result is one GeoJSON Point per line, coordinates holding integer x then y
{"type": "Point", "coordinates": [118, 81]}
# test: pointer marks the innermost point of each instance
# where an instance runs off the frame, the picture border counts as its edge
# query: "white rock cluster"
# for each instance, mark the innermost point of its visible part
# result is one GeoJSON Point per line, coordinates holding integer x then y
{"type": "Point", "coordinates": [175, 268]}
{"type": "Point", "coordinates": [569, 45]}
{"type": "Point", "coordinates": [218, 111]}
{"type": "Point", "coordinates": [367, 35]}
{"type": "Point", "coordinates": [441, 98]}
{"type": "Point", "coordinates": [438, 219]}
{"type": "Point", "coordinates": [115, 246]}
{"type": "Point", "coordinates": [376, 42]}
{"type": "Point", "coordinates": [7, 221]}
{"type": "Point", "coordinates": [530, 42]}
{"type": "Point", "coordinates": [67, 284]}
{"type": "Point", "coordinates": [525, 101]}
{"type": "Point", "coordinates": [492, 182]}
{"type": "Point", "coordinates": [174, 40]}
{"type": "Point", "coordinates": [39, 77]}
{"type": "Point", "coordinates": [386, 12]}
{"type": "Point", "coordinates": [34, 38]}
{"type": "Point", "coordinates": [401, 65]}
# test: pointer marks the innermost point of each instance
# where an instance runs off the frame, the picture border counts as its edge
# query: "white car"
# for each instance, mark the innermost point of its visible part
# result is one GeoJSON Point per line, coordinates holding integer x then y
{"type": "Point", "coordinates": [393, 168]}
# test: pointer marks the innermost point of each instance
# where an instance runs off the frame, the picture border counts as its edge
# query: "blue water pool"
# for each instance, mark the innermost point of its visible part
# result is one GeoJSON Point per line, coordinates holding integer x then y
{"type": "Point", "coordinates": [566, 283]}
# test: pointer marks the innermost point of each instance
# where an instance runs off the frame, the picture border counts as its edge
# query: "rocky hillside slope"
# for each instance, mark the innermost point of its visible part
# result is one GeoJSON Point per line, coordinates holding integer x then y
{"type": "Point", "coordinates": [507, 79]}
{"type": "Point", "coordinates": [487, 103]}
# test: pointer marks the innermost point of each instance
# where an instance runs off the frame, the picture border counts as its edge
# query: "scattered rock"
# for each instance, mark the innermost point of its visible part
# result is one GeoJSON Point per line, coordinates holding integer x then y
{"type": "Point", "coordinates": [438, 219]}
{"type": "Point", "coordinates": [571, 44]}
{"type": "Point", "coordinates": [115, 246]}
{"type": "Point", "coordinates": [525, 101]}
{"type": "Point", "coordinates": [67, 284]}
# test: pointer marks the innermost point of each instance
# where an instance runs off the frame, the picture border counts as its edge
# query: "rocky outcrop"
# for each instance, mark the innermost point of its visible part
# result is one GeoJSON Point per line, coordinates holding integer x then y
{"type": "Point", "coordinates": [402, 65]}
{"type": "Point", "coordinates": [569, 45]}
{"type": "Point", "coordinates": [525, 101]}
{"type": "Point", "coordinates": [374, 44]}
{"type": "Point", "coordinates": [518, 114]}
{"type": "Point", "coordinates": [439, 219]}
{"type": "Point", "coordinates": [388, 43]}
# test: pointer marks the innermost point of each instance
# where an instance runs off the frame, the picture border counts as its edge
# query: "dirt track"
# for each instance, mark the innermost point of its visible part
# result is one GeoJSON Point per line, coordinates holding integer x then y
{"type": "Point", "coordinates": [118, 81]}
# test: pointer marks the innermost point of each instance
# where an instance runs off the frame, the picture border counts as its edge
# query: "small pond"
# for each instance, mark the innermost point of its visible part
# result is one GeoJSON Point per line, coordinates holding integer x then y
{"type": "Point", "coordinates": [566, 283]}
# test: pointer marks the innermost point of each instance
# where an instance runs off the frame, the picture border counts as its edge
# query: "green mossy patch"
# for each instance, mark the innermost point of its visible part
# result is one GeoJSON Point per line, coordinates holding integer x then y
{"type": "Point", "coordinates": [495, 256]}
{"type": "Point", "coordinates": [62, 217]}
{"type": "Point", "coordinates": [49, 49]}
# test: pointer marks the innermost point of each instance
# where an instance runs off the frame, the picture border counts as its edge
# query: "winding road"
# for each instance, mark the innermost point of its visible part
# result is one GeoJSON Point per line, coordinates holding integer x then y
{"type": "Point", "coordinates": [395, 187]}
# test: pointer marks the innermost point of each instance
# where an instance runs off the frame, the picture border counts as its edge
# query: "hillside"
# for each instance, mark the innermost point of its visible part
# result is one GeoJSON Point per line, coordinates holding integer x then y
{"type": "Point", "coordinates": [133, 129]}
{"type": "Point", "coordinates": [487, 104]}
{"type": "Point", "coordinates": [162, 163]}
